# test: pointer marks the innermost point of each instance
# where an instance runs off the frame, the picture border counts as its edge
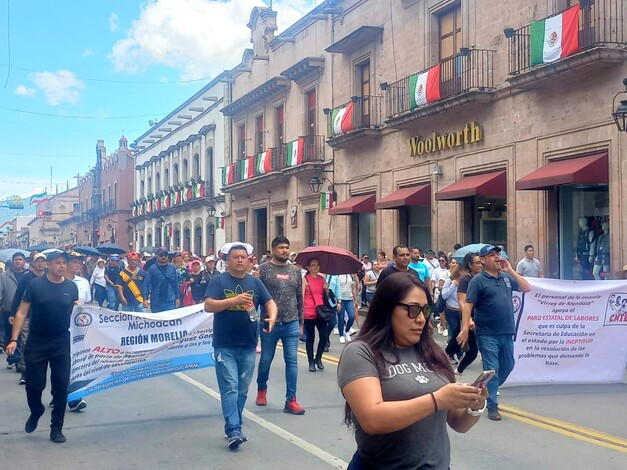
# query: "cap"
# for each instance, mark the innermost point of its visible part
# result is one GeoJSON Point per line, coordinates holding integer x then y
{"type": "Point", "coordinates": [39, 256]}
{"type": "Point", "coordinates": [17, 255]}
{"type": "Point", "coordinates": [100, 260]}
{"type": "Point", "coordinates": [55, 253]}
{"type": "Point", "coordinates": [487, 249]}
{"type": "Point", "coordinates": [210, 258]}
{"type": "Point", "coordinates": [161, 251]}
{"type": "Point", "coordinates": [133, 255]}
{"type": "Point", "coordinates": [196, 261]}
{"type": "Point", "coordinates": [621, 274]}
{"type": "Point", "coordinates": [115, 258]}
{"type": "Point", "coordinates": [430, 252]}
{"type": "Point", "coordinates": [72, 255]}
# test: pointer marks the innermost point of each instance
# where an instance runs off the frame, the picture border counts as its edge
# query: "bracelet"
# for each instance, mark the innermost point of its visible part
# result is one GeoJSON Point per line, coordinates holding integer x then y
{"type": "Point", "coordinates": [12, 341]}
{"type": "Point", "coordinates": [472, 412]}
{"type": "Point", "coordinates": [434, 402]}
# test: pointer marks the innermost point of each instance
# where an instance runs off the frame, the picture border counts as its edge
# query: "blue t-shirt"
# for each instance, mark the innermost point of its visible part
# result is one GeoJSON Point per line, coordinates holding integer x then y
{"type": "Point", "coordinates": [233, 326]}
{"type": "Point", "coordinates": [492, 299]}
{"type": "Point", "coordinates": [421, 268]}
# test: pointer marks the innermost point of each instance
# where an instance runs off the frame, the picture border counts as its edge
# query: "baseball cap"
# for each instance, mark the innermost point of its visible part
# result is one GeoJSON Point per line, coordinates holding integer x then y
{"type": "Point", "coordinates": [196, 261]}
{"type": "Point", "coordinates": [133, 255]}
{"type": "Point", "coordinates": [72, 255]}
{"type": "Point", "coordinates": [17, 255]}
{"type": "Point", "coordinates": [487, 249]}
{"type": "Point", "coordinates": [100, 260]}
{"type": "Point", "coordinates": [162, 250]}
{"type": "Point", "coordinates": [115, 258]}
{"type": "Point", "coordinates": [210, 258]}
{"type": "Point", "coordinates": [55, 253]}
{"type": "Point", "coordinates": [38, 256]}
{"type": "Point", "coordinates": [430, 252]}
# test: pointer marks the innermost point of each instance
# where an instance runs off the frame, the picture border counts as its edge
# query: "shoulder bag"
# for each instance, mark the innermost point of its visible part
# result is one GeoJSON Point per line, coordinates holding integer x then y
{"type": "Point", "coordinates": [323, 312]}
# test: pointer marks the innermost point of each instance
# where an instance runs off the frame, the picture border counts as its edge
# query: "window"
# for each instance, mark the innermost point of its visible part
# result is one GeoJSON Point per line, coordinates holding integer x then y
{"type": "Point", "coordinates": [450, 32]}
{"type": "Point", "coordinates": [166, 178]}
{"type": "Point", "coordinates": [157, 182]}
{"type": "Point", "coordinates": [279, 115]}
{"type": "Point", "coordinates": [175, 176]}
{"type": "Point", "coordinates": [210, 172]}
{"type": "Point", "coordinates": [184, 171]}
{"type": "Point", "coordinates": [363, 83]}
{"type": "Point", "coordinates": [310, 228]}
{"type": "Point", "coordinates": [115, 195]}
{"type": "Point", "coordinates": [259, 134]}
{"type": "Point", "coordinates": [279, 225]}
{"type": "Point", "coordinates": [149, 185]}
{"type": "Point", "coordinates": [196, 166]}
{"type": "Point", "coordinates": [310, 121]}
{"type": "Point", "coordinates": [142, 190]}
{"type": "Point", "coordinates": [241, 231]}
{"type": "Point", "coordinates": [241, 142]}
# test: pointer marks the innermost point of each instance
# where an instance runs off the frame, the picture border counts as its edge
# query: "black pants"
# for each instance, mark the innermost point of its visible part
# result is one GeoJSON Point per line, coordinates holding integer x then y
{"type": "Point", "coordinates": [310, 326]}
{"type": "Point", "coordinates": [453, 319]}
{"type": "Point", "coordinates": [471, 354]}
{"type": "Point", "coordinates": [38, 354]}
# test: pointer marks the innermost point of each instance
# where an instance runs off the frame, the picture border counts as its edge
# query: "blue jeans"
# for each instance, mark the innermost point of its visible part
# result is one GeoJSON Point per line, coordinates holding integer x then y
{"type": "Point", "coordinates": [234, 371]}
{"type": "Point", "coordinates": [133, 308]}
{"type": "Point", "coordinates": [288, 334]}
{"type": "Point", "coordinates": [348, 307]}
{"type": "Point", "coordinates": [498, 354]}
{"type": "Point", "coordinates": [112, 298]}
{"type": "Point", "coordinates": [155, 308]}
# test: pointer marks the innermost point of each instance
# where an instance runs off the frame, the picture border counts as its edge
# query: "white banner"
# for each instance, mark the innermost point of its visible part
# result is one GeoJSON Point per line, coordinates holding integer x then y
{"type": "Point", "coordinates": [110, 348]}
{"type": "Point", "coordinates": [570, 332]}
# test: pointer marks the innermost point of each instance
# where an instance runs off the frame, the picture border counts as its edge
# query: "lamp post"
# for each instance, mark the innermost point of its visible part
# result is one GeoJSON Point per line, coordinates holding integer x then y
{"type": "Point", "coordinates": [160, 225]}
{"type": "Point", "coordinates": [620, 112]}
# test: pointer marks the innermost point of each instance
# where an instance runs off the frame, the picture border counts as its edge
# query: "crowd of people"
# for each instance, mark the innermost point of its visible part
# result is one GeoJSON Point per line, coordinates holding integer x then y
{"type": "Point", "coordinates": [256, 304]}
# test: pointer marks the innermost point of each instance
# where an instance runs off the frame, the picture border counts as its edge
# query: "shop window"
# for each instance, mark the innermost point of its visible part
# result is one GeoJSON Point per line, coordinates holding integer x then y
{"type": "Point", "coordinates": [363, 236]}
{"type": "Point", "coordinates": [415, 224]}
{"type": "Point", "coordinates": [310, 228]}
{"type": "Point", "coordinates": [261, 229]}
{"type": "Point", "coordinates": [487, 217]}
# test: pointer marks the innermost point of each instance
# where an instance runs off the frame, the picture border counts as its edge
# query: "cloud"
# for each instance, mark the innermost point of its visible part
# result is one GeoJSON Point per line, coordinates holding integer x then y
{"type": "Point", "coordinates": [59, 87]}
{"type": "Point", "coordinates": [198, 37]}
{"type": "Point", "coordinates": [114, 22]}
{"type": "Point", "coordinates": [22, 90]}
{"type": "Point", "coordinates": [87, 53]}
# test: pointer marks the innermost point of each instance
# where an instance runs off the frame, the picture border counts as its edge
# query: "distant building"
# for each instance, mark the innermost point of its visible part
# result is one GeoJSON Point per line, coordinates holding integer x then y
{"type": "Point", "coordinates": [44, 227]}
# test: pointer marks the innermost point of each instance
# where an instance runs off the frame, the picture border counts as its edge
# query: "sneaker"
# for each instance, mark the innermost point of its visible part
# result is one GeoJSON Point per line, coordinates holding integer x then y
{"type": "Point", "coordinates": [1, 350]}
{"type": "Point", "coordinates": [261, 397]}
{"type": "Point", "coordinates": [235, 441]}
{"type": "Point", "coordinates": [22, 380]}
{"type": "Point", "coordinates": [348, 337]}
{"type": "Point", "coordinates": [336, 331]}
{"type": "Point", "coordinates": [77, 405]}
{"type": "Point", "coordinates": [440, 328]}
{"type": "Point", "coordinates": [458, 376]}
{"type": "Point", "coordinates": [493, 414]}
{"type": "Point", "coordinates": [342, 339]}
{"type": "Point", "coordinates": [31, 422]}
{"type": "Point", "coordinates": [352, 331]}
{"type": "Point", "coordinates": [498, 394]}
{"type": "Point", "coordinates": [452, 360]}
{"type": "Point", "coordinates": [10, 366]}
{"type": "Point", "coordinates": [292, 407]}
{"type": "Point", "coordinates": [57, 437]}
{"type": "Point", "coordinates": [445, 332]}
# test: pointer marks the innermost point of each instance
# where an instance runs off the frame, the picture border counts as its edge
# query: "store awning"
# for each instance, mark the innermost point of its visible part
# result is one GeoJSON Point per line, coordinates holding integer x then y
{"type": "Point", "coordinates": [411, 196]}
{"type": "Point", "coordinates": [582, 170]}
{"type": "Point", "coordinates": [486, 184]}
{"type": "Point", "coordinates": [354, 205]}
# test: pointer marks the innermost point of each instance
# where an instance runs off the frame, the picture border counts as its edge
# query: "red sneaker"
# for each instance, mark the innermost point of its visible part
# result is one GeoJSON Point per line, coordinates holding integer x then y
{"type": "Point", "coordinates": [292, 407]}
{"type": "Point", "coordinates": [261, 398]}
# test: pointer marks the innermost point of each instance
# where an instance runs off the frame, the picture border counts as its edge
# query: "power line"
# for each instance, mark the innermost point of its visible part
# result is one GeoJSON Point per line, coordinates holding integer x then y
{"type": "Point", "coordinates": [81, 117]}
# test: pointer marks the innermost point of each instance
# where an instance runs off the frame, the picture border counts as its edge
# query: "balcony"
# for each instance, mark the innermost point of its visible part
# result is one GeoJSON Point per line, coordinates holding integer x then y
{"type": "Point", "coordinates": [174, 199]}
{"type": "Point", "coordinates": [600, 38]}
{"type": "Point", "coordinates": [465, 78]}
{"type": "Point", "coordinates": [359, 119]}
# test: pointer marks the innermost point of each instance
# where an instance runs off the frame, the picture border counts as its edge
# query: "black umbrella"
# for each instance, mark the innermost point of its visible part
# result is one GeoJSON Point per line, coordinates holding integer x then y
{"type": "Point", "coordinates": [86, 250]}
{"type": "Point", "coordinates": [148, 249]}
{"type": "Point", "coordinates": [111, 249]}
{"type": "Point", "coordinates": [39, 247]}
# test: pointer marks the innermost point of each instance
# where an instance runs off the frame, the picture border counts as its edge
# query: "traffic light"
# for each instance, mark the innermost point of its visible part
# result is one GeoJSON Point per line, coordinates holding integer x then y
{"type": "Point", "coordinates": [44, 213]}
{"type": "Point", "coordinates": [97, 233]}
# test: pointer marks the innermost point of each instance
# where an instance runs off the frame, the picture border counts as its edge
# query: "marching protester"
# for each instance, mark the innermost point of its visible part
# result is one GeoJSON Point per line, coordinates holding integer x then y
{"type": "Point", "coordinates": [198, 280]}
{"type": "Point", "coordinates": [112, 271]}
{"type": "Point", "coordinates": [284, 283]}
{"type": "Point", "coordinates": [314, 286]}
{"type": "Point", "coordinates": [234, 298]}
{"type": "Point", "coordinates": [210, 267]}
{"type": "Point", "coordinates": [489, 295]}
{"type": "Point", "coordinates": [370, 281]}
{"type": "Point", "coordinates": [50, 300]}
{"type": "Point", "coordinates": [401, 257]}
{"type": "Point", "coordinates": [399, 388]}
{"type": "Point", "coordinates": [452, 314]}
{"type": "Point", "coordinates": [160, 288]}
{"type": "Point", "coordinates": [469, 267]}
{"type": "Point", "coordinates": [129, 284]}
{"type": "Point", "coordinates": [529, 266]}
{"type": "Point", "coordinates": [98, 282]}
{"type": "Point", "coordinates": [9, 280]}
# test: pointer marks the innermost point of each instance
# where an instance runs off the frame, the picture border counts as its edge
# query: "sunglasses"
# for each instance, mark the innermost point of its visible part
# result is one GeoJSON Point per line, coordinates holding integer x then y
{"type": "Point", "coordinates": [413, 310]}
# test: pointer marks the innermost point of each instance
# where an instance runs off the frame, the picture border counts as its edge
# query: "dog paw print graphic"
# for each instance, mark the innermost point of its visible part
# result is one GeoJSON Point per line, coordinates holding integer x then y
{"type": "Point", "coordinates": [421, 379]}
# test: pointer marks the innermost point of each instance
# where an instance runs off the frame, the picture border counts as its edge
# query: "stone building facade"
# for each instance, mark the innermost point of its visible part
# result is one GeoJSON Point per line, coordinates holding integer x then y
{"type": "Point", "coordinates": [46, 228]}
{"type": "Point", "coordinates": [441, 126]}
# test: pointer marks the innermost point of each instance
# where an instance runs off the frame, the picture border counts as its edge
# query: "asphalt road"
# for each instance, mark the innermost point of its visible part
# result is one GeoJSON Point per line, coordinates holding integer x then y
{"type": "Point", "coordinates": [176, 422]}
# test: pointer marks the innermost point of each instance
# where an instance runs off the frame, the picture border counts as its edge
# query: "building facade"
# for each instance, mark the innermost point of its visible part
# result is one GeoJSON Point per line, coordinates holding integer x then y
{"type": "Point", "coordinates": [445, 122]}
{"type": "Point", "coordinates": [45, 226]}
{"type": "Point", "coordinates": [177, 200]}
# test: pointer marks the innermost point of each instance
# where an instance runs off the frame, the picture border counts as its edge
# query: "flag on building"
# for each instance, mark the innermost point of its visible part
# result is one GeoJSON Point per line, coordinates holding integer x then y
{"type": "Point", "coordinates": [247, 168]}
{"type": "Point", "coordinates": [555, 37]}
{"type": "Point", "coordinates": [263, 162]}
{"type": "Point", "coordinates": [326, 200]}
{"type": "Point", "coordinates": [167, 201]}
{"type": "Point", "coordinates": [295, 152]}
{"type": "Point", "coordinates": [342, 119]}
{"type": "Point", "coordinates": [158, 204]}
{"type": "Point", "coordinates": [227, 175]}
{"type": "Point", "coordinates": [424, 87]}
{"type": "Point", "coordinates": [219, 222]}
{"type": "Point", "coordinates": [39, 198]}
{"type": "Point", "coordinates": [199, 190]}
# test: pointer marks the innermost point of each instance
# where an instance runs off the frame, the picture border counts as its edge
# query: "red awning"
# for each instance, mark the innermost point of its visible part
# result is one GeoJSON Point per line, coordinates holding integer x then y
{"type": "Point", "coordinates": [354, 205]}
{"type": "Point", "coordinates": [582, 170]}
{"type": "Point", "coordinates": [411, 196]}
{"type": "Point", "coordinates": [486, 184]}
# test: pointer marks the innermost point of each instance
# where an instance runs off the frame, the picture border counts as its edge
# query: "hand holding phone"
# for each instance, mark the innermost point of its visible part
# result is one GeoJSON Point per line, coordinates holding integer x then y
{"type": "Point", "coordinates": [483, 378]}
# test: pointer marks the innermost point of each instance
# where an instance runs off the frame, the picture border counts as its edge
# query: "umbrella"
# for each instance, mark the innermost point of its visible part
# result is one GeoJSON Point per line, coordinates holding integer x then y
{"type": "Point", "coordinates": [86, 250]}
{"type": "Point", "coordinates": [111, 249]}
{"type": "Point", "coordinates": [148, 249]}
{"type": "Point", "coordinates": [7, 254]}
{"type": "Point", "coordinates": [39, 247]}
{"type": "Point", "coordinates": [332, 260]}
{"type": "Point", "coordinates": [473, 248]}
{"type": "Point", "coordinates": [225, 249]}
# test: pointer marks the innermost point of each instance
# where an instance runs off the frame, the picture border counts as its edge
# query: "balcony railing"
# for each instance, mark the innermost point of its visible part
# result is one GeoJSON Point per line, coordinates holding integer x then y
{"type": "Point", "coordinates": [361, 112]}
{"type": "Point", "coordinates": [471, 69]}
{"type": "Point", "coordinates": [601, 22]}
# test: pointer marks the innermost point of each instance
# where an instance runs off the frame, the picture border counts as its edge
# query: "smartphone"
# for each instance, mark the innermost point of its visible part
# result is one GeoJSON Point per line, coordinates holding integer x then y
{"type": "Point", "coordinates": [483, 378]}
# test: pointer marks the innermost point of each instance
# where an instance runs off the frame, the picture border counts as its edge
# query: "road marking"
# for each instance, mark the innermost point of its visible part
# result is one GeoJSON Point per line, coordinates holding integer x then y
{"type": "Point", "coordinates": [565, 428]}
{"type": "Point", "coordinates": [279, 431]}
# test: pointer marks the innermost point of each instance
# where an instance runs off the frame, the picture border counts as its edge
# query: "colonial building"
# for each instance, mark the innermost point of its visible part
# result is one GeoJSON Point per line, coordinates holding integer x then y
{"type": "Point", "coordinates": [45, 226]}
{"type": "Point", "coordinates": [177, 201]}
{"type": "Point", "coordinates": [446, 121]}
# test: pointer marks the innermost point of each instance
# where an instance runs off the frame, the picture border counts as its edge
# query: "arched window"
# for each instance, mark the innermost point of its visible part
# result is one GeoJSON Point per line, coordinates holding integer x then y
{"type": "Point", "coordinates": [150, 185]}
{"type": "Point", "coordinates": [166, 179]}
{"type": "Point", "coordinates": [157, 182]}
{"type": "Point", "coordinates": [142, 189]}
{"type": "Point", "coordinates": [196, 166]}
{"type": "Point", "coordinates": [184, 171]}
{"type": "Point", "coordinates": [212, 192]}
{"type": "Point", "coordinates": [175, 175]}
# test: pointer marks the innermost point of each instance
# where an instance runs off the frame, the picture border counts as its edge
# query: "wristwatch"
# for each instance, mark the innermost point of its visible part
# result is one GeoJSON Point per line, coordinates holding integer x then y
{"type": "Point", "coordinates": [472, 412]}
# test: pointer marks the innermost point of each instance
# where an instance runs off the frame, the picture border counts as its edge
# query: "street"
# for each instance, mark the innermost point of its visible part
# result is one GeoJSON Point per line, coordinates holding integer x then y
{"type": "Point", "coordinates": [176, 422]}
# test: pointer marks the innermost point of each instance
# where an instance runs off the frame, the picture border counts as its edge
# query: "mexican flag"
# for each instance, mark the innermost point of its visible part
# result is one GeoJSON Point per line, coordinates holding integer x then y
{"type": "Point", "coordinates": [424, 87]}
{"type": "Point", "coordinates": [227, 175]}
{"type": "Point", "coordinates": [342, 119]}
{"type": "Point", "coordinates": [326, 200]}
{"type": "Point", "coordinates": [295, 152]}
{"type": "Point", "coordinates": [199, 190]}
{"type": "Point", "coordinates": [219, 222]}
{"type": "Point", "coordinates": [247, 168]}
{"type": "Point", "coordinates": [167, 201]}
{"type": "Point", "coordinates": [555, 37]}
{"type": "Point", "coordinates": [264, 162]}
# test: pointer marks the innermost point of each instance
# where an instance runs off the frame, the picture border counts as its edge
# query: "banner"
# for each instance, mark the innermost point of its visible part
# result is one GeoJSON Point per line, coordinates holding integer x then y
{"type": "Point", "coordinates": [570, 332]}
{"type": "Point", "coordinates": [110, 348]}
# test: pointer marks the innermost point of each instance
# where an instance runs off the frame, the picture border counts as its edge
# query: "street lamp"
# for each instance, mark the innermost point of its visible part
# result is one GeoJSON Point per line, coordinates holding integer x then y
{"type": "Point", "coordinates": [211, 211]}
{"type": "Point", "coordinates": [315, 183]}
{"type": "Point", "coordinates": [620, 113]}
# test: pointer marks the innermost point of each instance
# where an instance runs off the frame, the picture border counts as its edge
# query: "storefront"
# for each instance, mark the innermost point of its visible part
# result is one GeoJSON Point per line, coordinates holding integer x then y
{"type": "Point", "coordinates": [361, 210]}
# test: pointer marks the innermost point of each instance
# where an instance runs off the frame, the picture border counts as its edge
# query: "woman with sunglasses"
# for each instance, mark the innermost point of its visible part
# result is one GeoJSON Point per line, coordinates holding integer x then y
{"type": "Point", "coordinates": [398, 384]}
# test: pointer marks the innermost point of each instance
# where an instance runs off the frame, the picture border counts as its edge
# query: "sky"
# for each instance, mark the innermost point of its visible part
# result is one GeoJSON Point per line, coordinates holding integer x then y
{"type": "Point", "coordinates": [76, 71]}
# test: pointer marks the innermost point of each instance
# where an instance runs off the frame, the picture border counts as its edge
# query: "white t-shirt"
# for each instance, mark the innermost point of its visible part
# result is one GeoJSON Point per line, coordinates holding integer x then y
{"type": "Point", "coordinates": [84, 290]}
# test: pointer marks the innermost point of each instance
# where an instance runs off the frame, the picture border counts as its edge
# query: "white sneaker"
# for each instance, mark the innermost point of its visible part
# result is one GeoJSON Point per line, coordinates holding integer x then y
{"type": "Point", "coordinates": [498, 394]}
{"type": "Point", "coordinates": [336, 331]}
{"type": "Point", "coordinates": [445, 332]}
{"type": "Point", "coordinates": [348, 337]}
{"type": "Point", "coordinates": [342, 340]}
{"type": "Point", "coordinates": [439, 328]}
{"type": "Point", "coordinates": [352, 331]}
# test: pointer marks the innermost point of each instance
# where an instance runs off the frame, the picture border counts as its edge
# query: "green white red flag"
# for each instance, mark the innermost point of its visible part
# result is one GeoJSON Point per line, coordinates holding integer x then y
{"type": "Point", "coordinates": [555, 37]}
{"type": "Point", "coordinates": [342, 119]}
{"type": "Point", "coordinates": [295, 152]}
{"type": "Point", "coordinates": [424, 87]}
{"type": "Point", "coordinates": [263, 163]}
{"type": "Point", "coordinates": [326, 200]}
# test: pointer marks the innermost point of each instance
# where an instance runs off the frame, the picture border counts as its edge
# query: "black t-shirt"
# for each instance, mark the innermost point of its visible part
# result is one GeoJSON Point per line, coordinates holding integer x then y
{"type": "Point", "coordinates": [21, 287]}
{"type": "Point", "coordinates": [199, 286]}
{"type": "Point", "coordinates": [51, 305]}
{"type": "Point", "coordinates": [112, 272]}
{"type": "Point", "coordinates": [462, 285]}
{"type": "Point", "coordinates": [391, 270]}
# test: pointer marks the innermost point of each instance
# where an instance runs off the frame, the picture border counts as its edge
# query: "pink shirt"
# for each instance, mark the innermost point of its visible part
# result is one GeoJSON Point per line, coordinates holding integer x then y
{"type": "Point", "coordinates": [313, 296]}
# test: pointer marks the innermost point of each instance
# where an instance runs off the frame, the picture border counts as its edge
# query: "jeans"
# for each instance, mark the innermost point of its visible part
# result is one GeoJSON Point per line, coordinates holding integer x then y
{"type": "Point", "coordinates": [348, 307]}
{"type": "Point", "coordinates": [369, 297]}
{"type": "Point", "coordinates": [288, 333]}
{"type": "Point", "coordinates": [154, 308]}
{"type": "Point", "coordinates": [134, 308]}
{"type": "Point", "coordinates": [112, 298]}
{"type": "Point", "coordinates": [497, 352]}
{"type": "Point", "coordinates": [234, 371]}
{"type": "Point", "coordinates": [453, 318]}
